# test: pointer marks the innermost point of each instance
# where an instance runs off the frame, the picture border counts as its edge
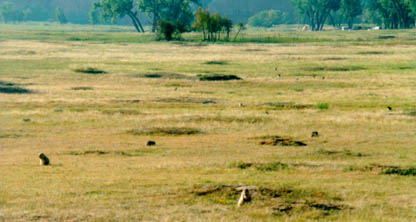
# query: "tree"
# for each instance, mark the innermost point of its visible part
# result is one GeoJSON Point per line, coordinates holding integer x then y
{"type": "Point", "coordinates": [113, 9]}
{"type": "Point", "coordinates": [351, 9]}
{"type": "Point", "coordinates": [316, 12]}
{"type": "Point", "coordinates": [178, 12]}
{"type": "Point", "coordinates": [212, 25]}
{"type": "Point", "coordinates": [267, 18]}
{"type": "Point", "coordinates": [27, 13]}
{"type": "Point", "coordinates": [240, 27]}
{"type": "Point", "coordinates": [9, 13]}
{"type": "Point", "coordinates": [60, 16]}
{"type": "Point", "coordinates": [152, 8]}
{"type": "Point", "coordinates": [202, 21]}
{"type": "Point", "coordinates": [394, 13]}
{"type": "Point", "coordinates": [348, 11]}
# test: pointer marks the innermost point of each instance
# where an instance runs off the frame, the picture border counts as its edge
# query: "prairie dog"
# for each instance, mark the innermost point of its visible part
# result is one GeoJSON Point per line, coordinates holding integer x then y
{"type": "Point", "coordinates": [245, 197]}
{"type": "Point", "coordinates": [44, 160]}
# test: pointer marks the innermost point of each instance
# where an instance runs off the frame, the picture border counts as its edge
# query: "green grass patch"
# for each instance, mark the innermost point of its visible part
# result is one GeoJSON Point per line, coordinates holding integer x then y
{"type": "Point", "coordinates": [322, 106]}
{"type": "Point", "coordinates": [216, 62]}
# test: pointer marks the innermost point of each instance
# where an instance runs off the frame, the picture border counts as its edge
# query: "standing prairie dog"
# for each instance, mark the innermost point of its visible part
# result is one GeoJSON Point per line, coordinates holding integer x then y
{"type": "Point", "coordinates": [245, 197]}
{"type": "Point", "coordinates": [44, 160]}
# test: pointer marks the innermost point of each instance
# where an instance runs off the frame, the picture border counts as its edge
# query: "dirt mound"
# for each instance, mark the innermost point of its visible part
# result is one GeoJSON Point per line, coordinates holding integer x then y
{"type": "Point", "coordinates": [165, 131]}
{"type": "Point", "coordinates": [90, 70]}
{"type": "Point", "coordinates": [12, 88]}
{"type": "Point", "coordinates": [163, 75]}
{"type": "Point", "coordinates": [278, 141]}
{"type": "Point", "coordinates": [218, 77]}
{"type": "Point", "coordinates": [294, 207]}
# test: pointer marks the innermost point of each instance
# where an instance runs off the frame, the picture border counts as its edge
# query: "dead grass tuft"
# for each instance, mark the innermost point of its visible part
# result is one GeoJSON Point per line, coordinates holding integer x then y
{"type": "Point", "coordinates": [272, 166]}
{"type": "Point", "coordinates": [288, 105]}
{"type": "Point", "coordinates": [121, 112]}
{"type": "Point", "coordinates": [84, 88]}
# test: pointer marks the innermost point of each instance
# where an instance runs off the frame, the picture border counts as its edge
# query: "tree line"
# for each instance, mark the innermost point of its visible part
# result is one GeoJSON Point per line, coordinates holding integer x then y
{"type": "Point", "coordinates": [179, 15]}
{"type": "Point", "coordinates": [389, 14]}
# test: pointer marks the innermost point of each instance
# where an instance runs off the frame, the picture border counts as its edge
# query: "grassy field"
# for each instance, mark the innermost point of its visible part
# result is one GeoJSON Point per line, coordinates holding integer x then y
{"type": "Point", "coordinates": [211, 136]}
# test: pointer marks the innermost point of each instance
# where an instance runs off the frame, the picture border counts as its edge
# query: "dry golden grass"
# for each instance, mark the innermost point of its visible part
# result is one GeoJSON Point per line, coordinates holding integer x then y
{"type": "Point", "coordinates": [101, 172]}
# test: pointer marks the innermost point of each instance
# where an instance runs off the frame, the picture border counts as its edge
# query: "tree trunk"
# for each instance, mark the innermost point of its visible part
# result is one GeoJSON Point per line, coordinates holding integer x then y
{"type": "Point", "coordinates": [138, 21]}
{"type": "Point", "coordinates": [134, 23]}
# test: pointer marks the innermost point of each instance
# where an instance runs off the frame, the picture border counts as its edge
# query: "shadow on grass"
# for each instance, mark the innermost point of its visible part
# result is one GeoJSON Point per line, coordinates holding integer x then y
{"type": "Point", "coordinates": [90, 70]}
{"type": "Point", "coordinates": [12, 88]}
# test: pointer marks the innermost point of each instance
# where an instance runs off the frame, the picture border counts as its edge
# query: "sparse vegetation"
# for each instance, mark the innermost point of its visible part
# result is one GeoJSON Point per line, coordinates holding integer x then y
{"type": "Point", "coordinates": [83, 88]}
{"type": "Point", "coordinates": [208, 134]}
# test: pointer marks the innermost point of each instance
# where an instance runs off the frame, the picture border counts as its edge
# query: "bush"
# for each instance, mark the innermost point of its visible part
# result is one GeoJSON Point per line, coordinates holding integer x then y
{"type": "Point", "coordinates": [170, 30]}
{"type": "Point", "coordinates": [268, 18]}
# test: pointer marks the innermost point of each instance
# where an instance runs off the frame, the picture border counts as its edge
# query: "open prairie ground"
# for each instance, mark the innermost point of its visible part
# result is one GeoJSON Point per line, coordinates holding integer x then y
{"type": "Point", "coordinates": [211, 136]}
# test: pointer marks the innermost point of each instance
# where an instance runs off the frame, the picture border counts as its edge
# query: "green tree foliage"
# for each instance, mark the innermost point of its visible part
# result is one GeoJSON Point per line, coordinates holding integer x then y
{"type": "Point", "coordinates": [114, 9]}
{"type": "Point", "coordinates": [394, 13]}
{"type": "Point", "coordinates": [60, 16]}
{"type": "Point", "coordinates": [241, 10]}
{"type": "Point", "coordinates": [212, 25]}
{"type": "Point", "coordinates": [349, 10]}
{"type": "Point", "coordinates": [177, 12]}
{"type": "Point", "coordinates": [153, 8]}
{"type": "Point", "coordinates": [167, 30]}
{"type": "Point", "coordinates": [27, 13]}
{"type": "Point", "coordinates": [316, 12]}
{"type": "Point", "coordinates": [240, 27]}
{"type": "Point", "coordinates": [9, 13]}
{"type": "Point", "coordinates": [268, 18]}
